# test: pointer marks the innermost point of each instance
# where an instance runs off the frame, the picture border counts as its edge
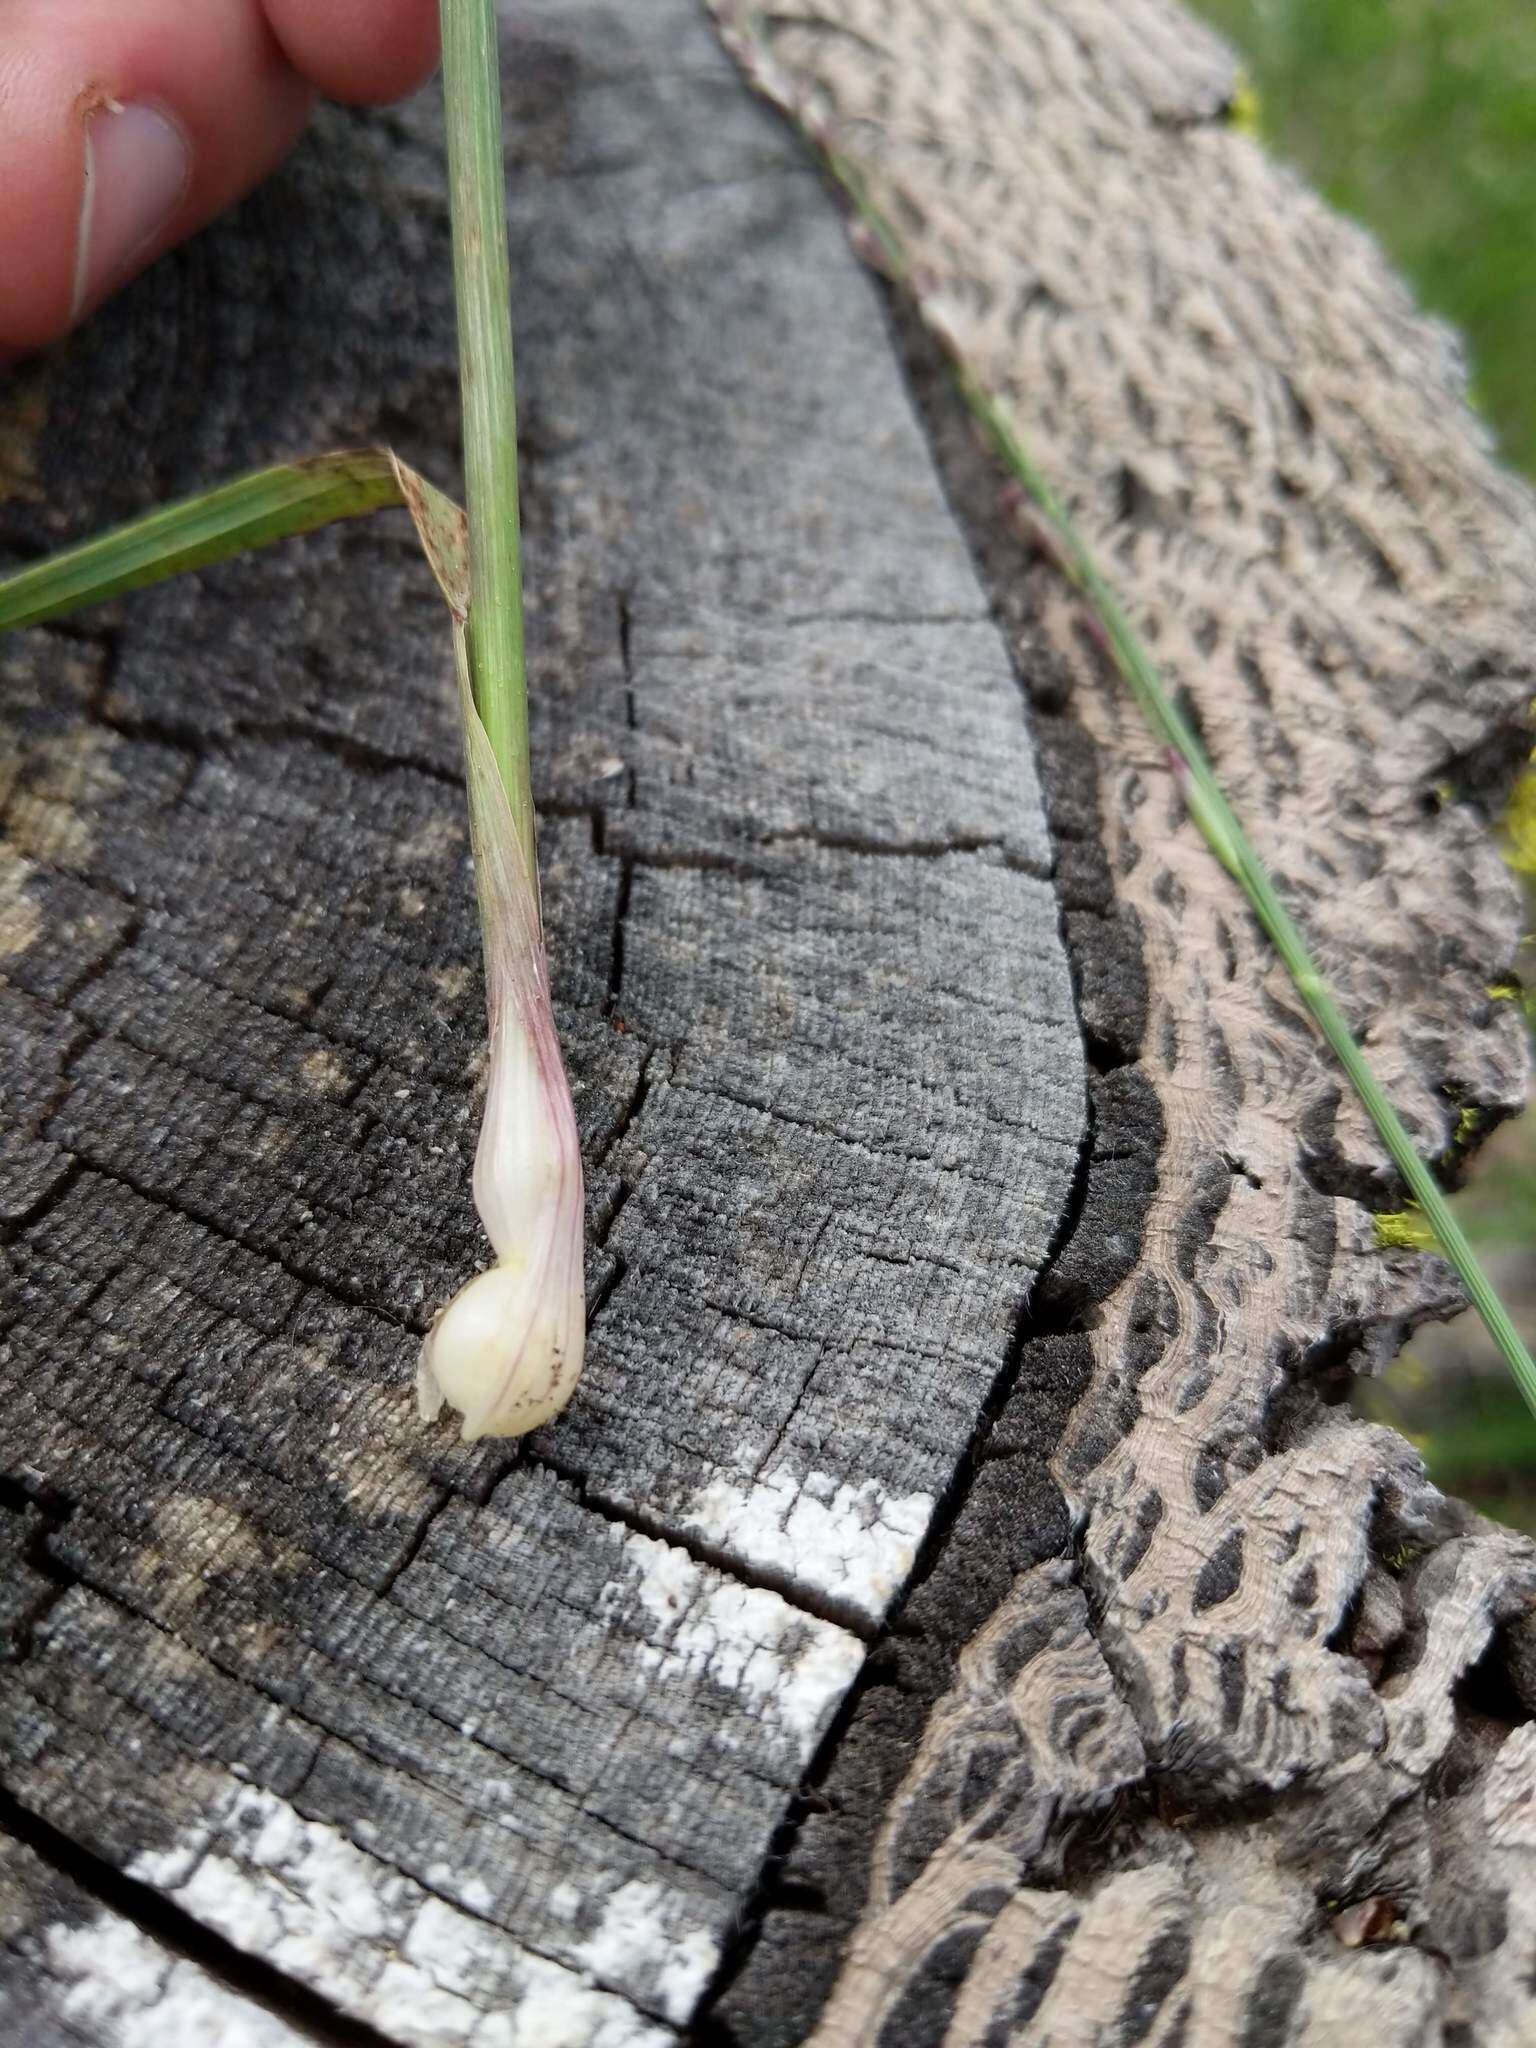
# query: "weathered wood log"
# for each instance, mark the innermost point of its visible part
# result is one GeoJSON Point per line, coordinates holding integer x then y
{"type": "Point", "coordinates": [471, 1740]}
{"type": "Point", "coordinates": [509, 1745]}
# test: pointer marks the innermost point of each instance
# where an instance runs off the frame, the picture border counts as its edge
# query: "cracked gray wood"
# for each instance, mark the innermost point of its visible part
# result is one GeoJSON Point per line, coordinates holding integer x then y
{"type": "Point", "coordinates": [1279, 1794]}
{"type": "Point", "coordinates": [73, 1970]}
{"type": "Point", "coordinates": [486, 1745]}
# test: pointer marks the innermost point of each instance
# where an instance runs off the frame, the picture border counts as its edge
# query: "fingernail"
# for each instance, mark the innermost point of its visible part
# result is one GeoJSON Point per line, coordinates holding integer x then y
{"type": "Point", "coordinates": [137, 168]}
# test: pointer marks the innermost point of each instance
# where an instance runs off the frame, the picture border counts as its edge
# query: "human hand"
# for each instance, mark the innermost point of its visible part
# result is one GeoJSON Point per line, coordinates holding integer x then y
{"type": "Point", "coordinates": [127, 124]}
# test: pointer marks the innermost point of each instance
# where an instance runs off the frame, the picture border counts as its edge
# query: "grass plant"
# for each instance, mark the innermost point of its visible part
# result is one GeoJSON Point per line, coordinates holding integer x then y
{"type": "Point", "coordinates": [508, 1349]}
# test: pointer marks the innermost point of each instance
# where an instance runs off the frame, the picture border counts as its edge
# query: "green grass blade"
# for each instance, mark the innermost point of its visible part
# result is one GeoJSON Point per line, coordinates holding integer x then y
{"type": "Point", "coordinates": [269, 505]}
{"type": "Point", "coordinates": [1202, 793]}
{"type": "Point", "coordinates": [482, 290]}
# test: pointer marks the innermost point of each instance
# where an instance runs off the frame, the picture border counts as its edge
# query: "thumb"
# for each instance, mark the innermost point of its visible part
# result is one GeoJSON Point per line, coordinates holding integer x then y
{"type": "Point", "coordinates": [123, 128]}
{"type": "Point", "coordinates": [126, 124]}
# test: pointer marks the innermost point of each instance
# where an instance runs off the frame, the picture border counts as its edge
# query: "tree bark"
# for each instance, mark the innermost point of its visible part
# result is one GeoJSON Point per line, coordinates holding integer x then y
{"type": "Point", "coordinates": [1250, 1766]}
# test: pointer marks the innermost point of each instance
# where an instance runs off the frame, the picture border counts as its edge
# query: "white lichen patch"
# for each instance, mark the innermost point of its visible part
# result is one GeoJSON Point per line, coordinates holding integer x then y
{"type": "Point", "coordinates": [564, 1901]}
{"type": "Point", "coordinates": [119, 1985]}
{"type": "Point", "coordinates": [553, 2015]}
{"type": "Point", "coordinates": [854, 1544]}
{"type": "Point", "coordinates": [428, 1975]}
{"type": "Point", "coordinates": [787, 1668]}
{"type": "Point", "coordinates": [635, 1940]}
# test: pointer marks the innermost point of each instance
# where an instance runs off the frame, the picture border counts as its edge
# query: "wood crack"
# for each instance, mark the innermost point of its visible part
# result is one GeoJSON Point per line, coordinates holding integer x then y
{"type": "Point", "coordinates": [627, 1515]}
{"type": "Point", "coordinates": [360, 754]}
{"type": "Point", "coordinates": [236, 1969]}
{"type": "Point", "coordinates": [903, 849]}
{"type": "Point", "coordinates": [206, 1219]}
{"type": "Point", "coordinates": [412, 1547]}
{"type": "Point", "coordinates": [765, 1897]}
{"type": "Point", "coordinates": [52, 1510]}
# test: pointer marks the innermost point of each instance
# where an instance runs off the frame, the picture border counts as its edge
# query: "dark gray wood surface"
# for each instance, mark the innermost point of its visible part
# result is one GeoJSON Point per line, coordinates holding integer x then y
{"type": "Point", "coordinates": [487, 1745]}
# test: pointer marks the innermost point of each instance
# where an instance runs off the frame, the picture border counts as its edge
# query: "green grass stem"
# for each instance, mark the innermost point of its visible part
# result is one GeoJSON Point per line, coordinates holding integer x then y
{"type": "Point", "coordinates": [482, 288]}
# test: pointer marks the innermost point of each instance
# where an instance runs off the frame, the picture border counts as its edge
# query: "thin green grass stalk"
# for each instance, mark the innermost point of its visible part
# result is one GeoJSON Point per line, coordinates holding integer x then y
{"type": "Point", "coordinates": [1204, 798]}
{"type": "Point", "coordinates": [482, 289]}
{"type": "Point", "coordinates": [252, 512]}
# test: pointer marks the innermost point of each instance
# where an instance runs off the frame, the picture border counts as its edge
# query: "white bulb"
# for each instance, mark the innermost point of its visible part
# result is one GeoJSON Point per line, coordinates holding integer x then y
{"type": "Point", "coordinates": [500, 1353]}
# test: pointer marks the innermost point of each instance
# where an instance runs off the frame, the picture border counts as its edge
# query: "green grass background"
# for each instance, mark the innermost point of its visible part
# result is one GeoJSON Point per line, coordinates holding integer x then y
{"type": "Point", "coordinates": [1419, 117]}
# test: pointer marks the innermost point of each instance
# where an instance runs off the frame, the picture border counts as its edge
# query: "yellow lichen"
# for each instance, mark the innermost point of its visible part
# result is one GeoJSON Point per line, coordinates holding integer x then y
{"type": "Point", "coordinates": [451, 982]}
{"type": "Point", "coordinates": [20, 919]}
{"type": "Point", "coordinates": [51, 833]}
{"type": "Point", "coordinates": [1520, 825]}
{"type": "Point", "coordinates": [433, 843]}
{"type": "Point", "coordinates": [1468, 1124]}
{"type": "Point", "coordinates": [324, 1073]}
{"type": "Point", "coordinates": [21, 434]}
{"type": "Point", "coordinates": [1246, 113]}
{"type": "Point", "coordinates": [1404, 1230]}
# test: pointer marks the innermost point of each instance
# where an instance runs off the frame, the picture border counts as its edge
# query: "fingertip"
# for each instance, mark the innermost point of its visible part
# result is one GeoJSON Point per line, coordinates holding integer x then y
{"type": "Point", "coordinates": [123, 129]}
{"type": "Point", "coordinates": [365, 52]}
